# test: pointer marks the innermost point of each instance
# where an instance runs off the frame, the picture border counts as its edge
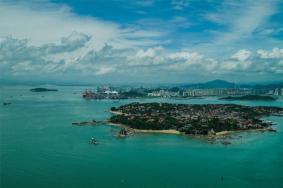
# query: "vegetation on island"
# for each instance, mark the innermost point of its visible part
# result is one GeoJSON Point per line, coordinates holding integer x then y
{"type": "Point", "coordinates": [193, 119]}
{"type": "Point", "coordinates": [42, 90]}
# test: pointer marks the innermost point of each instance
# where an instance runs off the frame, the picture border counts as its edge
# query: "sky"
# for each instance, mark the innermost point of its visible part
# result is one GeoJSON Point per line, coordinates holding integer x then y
{"type": "Point", "coordinates": [141, 41]}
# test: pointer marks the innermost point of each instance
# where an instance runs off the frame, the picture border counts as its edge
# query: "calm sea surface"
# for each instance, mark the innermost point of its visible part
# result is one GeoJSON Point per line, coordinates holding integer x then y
{"type": "Point", "coordinates": [39, 147]}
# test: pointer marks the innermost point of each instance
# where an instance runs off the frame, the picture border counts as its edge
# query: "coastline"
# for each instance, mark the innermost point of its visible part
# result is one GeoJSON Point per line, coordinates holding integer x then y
{"type": "Point", "coordinates": [168, 131]}
{"type": "Point", "coordinates": [225, 133]}
{"type": "Point", "coordinates": [172, 131]}
{"type": "Point", "coordinates": [116, 112]}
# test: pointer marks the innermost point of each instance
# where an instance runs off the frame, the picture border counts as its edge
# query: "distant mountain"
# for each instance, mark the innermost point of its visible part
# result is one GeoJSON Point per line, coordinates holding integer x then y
{"type": "Point", "coordinates": [224, 84]}
{"type": "Point", "coordinates": [211, 85]}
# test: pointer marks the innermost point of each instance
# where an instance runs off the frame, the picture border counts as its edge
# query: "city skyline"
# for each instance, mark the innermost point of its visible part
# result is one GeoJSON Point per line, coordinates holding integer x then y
{"type": "Point", "coordinates": [149, 41]}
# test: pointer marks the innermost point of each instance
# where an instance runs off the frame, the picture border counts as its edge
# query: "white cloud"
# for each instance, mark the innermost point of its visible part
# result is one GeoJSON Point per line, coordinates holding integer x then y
{"type": "Point", "coordinates": [145, 3]}
{"type": "Point", "coordinates": [146, 57]}
{"type": "Point", "coordinates": [146, 53]}
{"type": "Point", "coordinates": [70, 43]}
{"type": "Point", "coordinates": [41, 26]}
{"type": "Point", "coordinates": [104, 70]}
{"type": "Point", "coordinates": [261, 61]}
{"type": "Point", "coordinates": [54, 41]}
{"type": "Point", "coordinates": [184, 55]}
{"type": "Point", "coordinates": [180, 4]}
{"type": "Point", "coordinates": [275, 53]}
{"type": "Point", "coordinates": [20, 58]}
{"type": "Point", "coordinates": [241, 55]}
{"type": "Point", "coordinates": [241, 18]}
{"type": "Point", "coordinates": [50, 25]}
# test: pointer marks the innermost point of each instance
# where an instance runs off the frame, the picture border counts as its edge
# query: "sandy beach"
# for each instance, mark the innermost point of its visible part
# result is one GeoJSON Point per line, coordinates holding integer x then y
{"type": "Point", "coordinates": [116, 112]}
{"type": "Point", "coordinates": [169, 131]}
{"type": "Point", "coordinates": [223, 133]}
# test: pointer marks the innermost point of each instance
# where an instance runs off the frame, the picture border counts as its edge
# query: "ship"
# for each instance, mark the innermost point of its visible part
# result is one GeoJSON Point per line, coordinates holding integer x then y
{"type": "Point", "coordinates": [87, 94]}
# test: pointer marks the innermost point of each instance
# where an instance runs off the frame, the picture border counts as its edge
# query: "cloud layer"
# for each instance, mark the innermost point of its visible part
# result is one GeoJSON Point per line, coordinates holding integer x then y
{"type": "Point", "coordinates": [48, 41]}
{"type": "Point", "coordinates": [64, 60]}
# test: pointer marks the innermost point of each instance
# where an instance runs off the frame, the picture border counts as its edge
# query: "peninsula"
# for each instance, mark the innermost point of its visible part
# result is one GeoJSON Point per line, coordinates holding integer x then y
{"type": "Point", "coordinates": [193, 119]}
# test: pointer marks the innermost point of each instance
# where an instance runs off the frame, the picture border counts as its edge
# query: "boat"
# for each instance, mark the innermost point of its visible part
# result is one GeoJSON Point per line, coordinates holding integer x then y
{"type": "Point", "coordinates": [93, 141]}
{"type": "Point", "coordinates": [87, 94]}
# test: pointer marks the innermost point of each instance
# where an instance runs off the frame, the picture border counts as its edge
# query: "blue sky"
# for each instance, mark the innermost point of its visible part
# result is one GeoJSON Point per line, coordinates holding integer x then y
{"type": "Point", "coordinates": [121, 41]}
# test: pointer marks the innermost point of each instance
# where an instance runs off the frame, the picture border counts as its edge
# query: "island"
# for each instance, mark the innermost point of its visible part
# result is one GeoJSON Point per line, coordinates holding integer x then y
{"type": "Point", "coordinates": [250, 98]}
{"type": "Point", "coordinates": [192, 119]}
{"type": "Point", "coordinates": [42, 89]}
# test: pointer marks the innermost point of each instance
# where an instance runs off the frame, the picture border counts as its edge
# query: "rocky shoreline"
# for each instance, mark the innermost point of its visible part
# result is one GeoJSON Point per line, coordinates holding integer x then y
{"type": "Point", "coordinates": [89, 123]}
{"type": "Point", "coordinates": [126, 130]}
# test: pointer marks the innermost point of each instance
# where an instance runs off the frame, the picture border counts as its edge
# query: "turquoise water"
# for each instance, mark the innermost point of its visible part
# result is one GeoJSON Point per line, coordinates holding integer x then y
{"type": "Point", "coordinates": [40, 147]}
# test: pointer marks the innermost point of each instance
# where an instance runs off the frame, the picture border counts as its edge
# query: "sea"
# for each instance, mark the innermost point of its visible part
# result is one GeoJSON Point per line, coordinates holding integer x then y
{"type": "Point", "coordinates": [39, 147]}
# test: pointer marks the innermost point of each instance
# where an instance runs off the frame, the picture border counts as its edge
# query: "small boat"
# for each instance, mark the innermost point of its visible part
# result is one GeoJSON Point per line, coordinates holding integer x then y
{"type": "Point", "coordinates": [93, 141]}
